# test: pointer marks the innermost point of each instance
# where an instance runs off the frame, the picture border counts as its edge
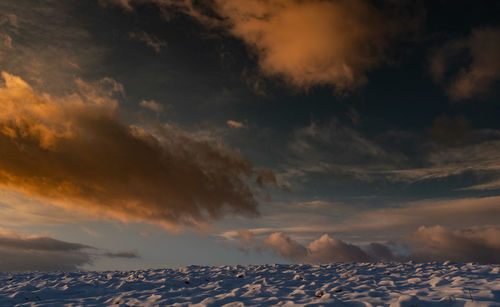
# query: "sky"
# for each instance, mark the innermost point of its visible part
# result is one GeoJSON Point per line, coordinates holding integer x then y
{"type": "Point", "coordinates": [162, 133]}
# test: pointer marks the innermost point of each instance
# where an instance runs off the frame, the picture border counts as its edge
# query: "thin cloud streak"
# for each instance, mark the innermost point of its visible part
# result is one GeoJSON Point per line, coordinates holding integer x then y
{"type": "Point", "coordinates": [343, 152]}
{"type": "Point", "coordinates": [29, 253]}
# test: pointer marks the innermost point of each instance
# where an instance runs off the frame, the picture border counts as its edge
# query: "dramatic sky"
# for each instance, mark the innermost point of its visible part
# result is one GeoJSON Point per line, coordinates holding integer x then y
{"type": "Point", "coordinates": [154, 133]}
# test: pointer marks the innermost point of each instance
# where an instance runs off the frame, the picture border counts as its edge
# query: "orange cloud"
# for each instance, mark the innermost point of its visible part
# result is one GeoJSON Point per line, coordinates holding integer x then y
{"type": "Point", "coordinates": [305, 43]}
{"type": "Point", "coordinates": [234, 124]}
{"type": "Point", "coordinates": [309, 43]}
{"type": "Point", "coordinates": [74, 151]}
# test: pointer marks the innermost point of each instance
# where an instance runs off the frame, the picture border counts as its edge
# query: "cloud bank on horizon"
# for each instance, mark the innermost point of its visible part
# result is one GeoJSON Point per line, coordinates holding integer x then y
{"type": "Point", "coordinates": [424, 245]}
{"type": "Point", "coordinates": [43, 253]}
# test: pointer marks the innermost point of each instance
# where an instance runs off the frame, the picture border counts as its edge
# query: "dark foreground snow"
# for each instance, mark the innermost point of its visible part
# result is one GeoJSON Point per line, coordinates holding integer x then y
{"type": "Point", "coordinates": [361, 284]}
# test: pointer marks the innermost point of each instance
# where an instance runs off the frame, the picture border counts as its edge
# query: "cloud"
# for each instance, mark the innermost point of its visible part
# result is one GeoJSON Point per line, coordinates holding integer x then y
{"type": "Point", "coordinates": [285, 247]}
{"type": "Point", "coordinates": [151, 41]}
{"type": "Point", "coordinates": [234, 124]}
{"type": "Point", "coordinates": [465, 212]}
{"type": "Point", "coordinates": [266, 177]}
{"type": "Point", "coordinates": [449, 149]}
{"type": "Point", "coordinates": [49, 45]}
{"type": "Point", "coordinates": [75, 152]}
{"type": "Point", "coordinates": [493, 185]}
{"type": "Point", "coordinates": [310, 43]}
{"type": "Point", "coordinates": [434, 243]}
{"type": "Point", "coordinates": [305, 43]}
{"type": "Point", "coordinates": [18, 209]}
{"type": "Point", "coordinates": [326, 249]}
{"type": "Point", "coordinates": [340, 151]}
{"type": "Point", "coordinates": [125, 4]}
{"type": "Point", "coordinates": [152, 105]}
{"type": "Point", "coordinates": [321, 250]}
{"type": "Point", "coordinates": [123, 254]}
{"type": "Point", "coordinates": [27, 253]}
{"type": "Point", "coordinates": [475, 77]}
{"type": "Point", "coordinates": [472, 245]}
{"type": "Point", "coordinates": [362, 224]}
{"type": "Point", "coordinates": [450, 131]}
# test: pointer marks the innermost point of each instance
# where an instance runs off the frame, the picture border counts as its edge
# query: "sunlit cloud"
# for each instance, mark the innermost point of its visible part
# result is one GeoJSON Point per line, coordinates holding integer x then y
{"type": "Point", "coordinates": [152, 105]}
{"type": "Point", "coordinates": [304, 43]}
{"type": "Point", "coordinates": [234, 124]}
{"type": "Point", "coordinates": [75, 152]}
{"type": "Point", "coordinates": [436, 243]}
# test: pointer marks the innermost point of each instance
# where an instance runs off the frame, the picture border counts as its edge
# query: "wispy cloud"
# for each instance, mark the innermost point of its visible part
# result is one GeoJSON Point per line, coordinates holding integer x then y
{"type": "Point", "coordinates": [152, 105]}
{"type": "Point", "coordinates": [49, 47]}
{"type": "Point", "coordinates": [451, 148]}
{"type": "Point", "coordinates": [151, 41]}
{"type": "Point", "coordinates": [234, 124]}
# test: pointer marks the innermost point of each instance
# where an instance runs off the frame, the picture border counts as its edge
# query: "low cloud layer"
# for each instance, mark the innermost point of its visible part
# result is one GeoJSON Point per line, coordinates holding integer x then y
{"type": "Point", "coordinates": [480, 73]}
{"type": "Point", "coordinates": [30, 253]}
{"type": "Point", "coordinates": [439, 243]}
{"type": "Point", "coordinates": [74, 151]}
{"type": "Point", "coordinates": [434, 243]}
{"type": "Point", "coordinates": [305, 43]}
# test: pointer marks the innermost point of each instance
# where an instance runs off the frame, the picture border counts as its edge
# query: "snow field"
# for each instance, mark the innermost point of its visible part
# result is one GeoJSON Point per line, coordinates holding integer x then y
{"type": "Point", "coordinates": [349, 284]}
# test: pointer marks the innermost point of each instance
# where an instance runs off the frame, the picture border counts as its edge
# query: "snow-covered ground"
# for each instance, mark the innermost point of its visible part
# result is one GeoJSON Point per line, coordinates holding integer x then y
{"type": "Point", "coordinates": [361, 284]}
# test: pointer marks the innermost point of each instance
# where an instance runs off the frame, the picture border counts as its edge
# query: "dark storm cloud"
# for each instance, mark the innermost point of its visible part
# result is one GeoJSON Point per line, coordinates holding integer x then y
{"type": "Point", "coordinates": [30, 253]}
{"type": "Point", "coordinates": [476, 76]}
{"type": "Point", "coordinates": [305, 43]}
{"type": "Point", "coordinates": [75, 152]}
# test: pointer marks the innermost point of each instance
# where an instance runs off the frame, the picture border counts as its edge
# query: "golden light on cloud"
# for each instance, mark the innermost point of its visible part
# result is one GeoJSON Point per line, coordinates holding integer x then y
{"type": "Point", "coordinates": [304, 43]}
{"type": "Point", "coordinates": [311, 43]}
{"type": "Point", "coordinates": [74, 151]}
